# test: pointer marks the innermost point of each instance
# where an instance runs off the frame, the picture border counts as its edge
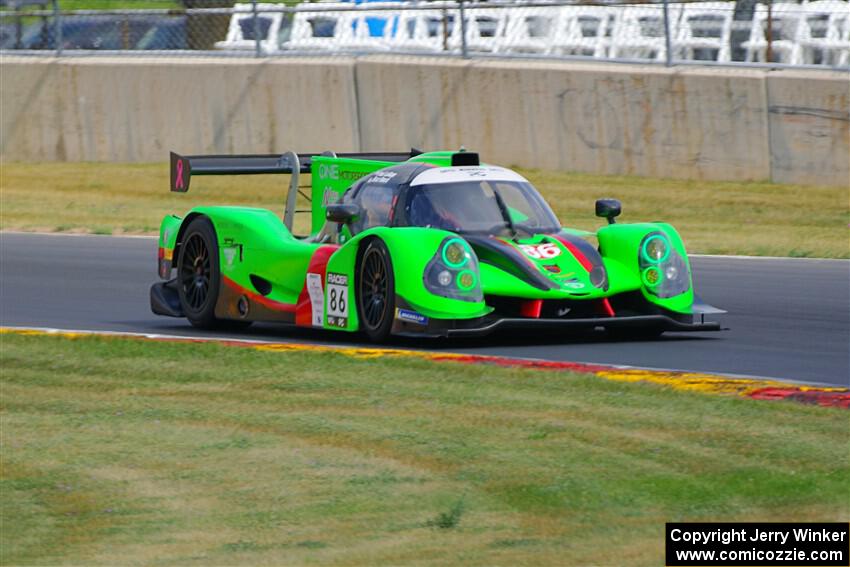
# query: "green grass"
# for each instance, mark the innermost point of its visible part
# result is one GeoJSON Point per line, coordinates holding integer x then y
{"type": "Point", "coordinates": [761, 219]}
{"type": "Point", "coordinates": [132, 452]}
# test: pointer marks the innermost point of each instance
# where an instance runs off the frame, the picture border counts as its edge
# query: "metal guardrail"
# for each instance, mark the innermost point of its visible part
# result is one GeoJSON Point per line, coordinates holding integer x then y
{"type": "Point", "coordinates": [810, 35]}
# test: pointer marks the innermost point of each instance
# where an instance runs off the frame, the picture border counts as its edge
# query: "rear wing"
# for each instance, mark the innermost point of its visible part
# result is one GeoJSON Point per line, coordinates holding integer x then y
{"type": "Point", "coordinates": [184, 167]}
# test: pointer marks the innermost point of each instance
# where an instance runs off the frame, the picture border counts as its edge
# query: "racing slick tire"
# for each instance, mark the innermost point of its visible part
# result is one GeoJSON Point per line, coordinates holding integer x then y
{"type": "Point", "coordinates": [375, 291]}
{"type": "Point", "coordinates": [198, 275]}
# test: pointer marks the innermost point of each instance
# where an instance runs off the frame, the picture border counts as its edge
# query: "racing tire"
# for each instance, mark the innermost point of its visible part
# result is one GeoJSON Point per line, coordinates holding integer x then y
{"type": "Point", "coordinates": [375, 291]}
{"type": "Point", "coordinates": [198, 275]}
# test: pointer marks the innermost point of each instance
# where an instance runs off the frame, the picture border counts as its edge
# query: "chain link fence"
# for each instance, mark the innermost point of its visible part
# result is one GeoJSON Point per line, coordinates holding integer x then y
{"type": "Point", "coordinates": [815, 33]}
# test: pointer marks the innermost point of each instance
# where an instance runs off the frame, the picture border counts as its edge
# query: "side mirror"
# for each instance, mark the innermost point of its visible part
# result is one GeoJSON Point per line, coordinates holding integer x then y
{"type": "Point", "coordinates": [343, 213]}
{"type": "Point", "coordinates": [608, 208]}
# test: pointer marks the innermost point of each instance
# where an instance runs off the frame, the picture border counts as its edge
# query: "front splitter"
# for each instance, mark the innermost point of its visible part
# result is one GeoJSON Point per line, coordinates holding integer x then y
{"type": "Point", "coordinates": [653, 322]}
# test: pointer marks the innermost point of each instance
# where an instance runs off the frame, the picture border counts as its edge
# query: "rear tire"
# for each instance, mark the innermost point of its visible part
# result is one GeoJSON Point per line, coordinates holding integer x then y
{"type": "Point", "coordinates": [198, 276]}
{"type": "Point", "coordinates": [375, 291]}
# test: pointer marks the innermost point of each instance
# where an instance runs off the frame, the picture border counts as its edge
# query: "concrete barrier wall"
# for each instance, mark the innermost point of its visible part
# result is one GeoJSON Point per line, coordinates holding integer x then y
{"type": "Point", "coordinates": [809, 127]}
{"type": "Point", "coordinates": [585, 117]}
{"type": "Point", "coordinates": [704, 123]}
{"type": "Point", "coordinates": [129, 110]}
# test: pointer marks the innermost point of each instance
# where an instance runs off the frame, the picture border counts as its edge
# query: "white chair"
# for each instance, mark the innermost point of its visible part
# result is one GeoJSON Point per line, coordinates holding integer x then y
{"type": "Point", "coordinates": [530, 30]}
{"type": "Point", "coordinates": [584, 30]}
{"type": "Point", "coordinates": [240, 31]}
{"type": "Point", "coordinates": [485, 28]}
{"type": "Point", "coordinates": [427, 30]}
{"type": "Point", "coordinates": [785, 24]}
{"type": "Point", "coordinates": [825, 33]}
{"type": "Point", "coordinates": [372, 29]}
{"type": "Point", "coordinates": [639, 32]}
{"type": "Point", "coordinates": [321, 29]}
{"type": "Point", "coordinates": [705, 28]}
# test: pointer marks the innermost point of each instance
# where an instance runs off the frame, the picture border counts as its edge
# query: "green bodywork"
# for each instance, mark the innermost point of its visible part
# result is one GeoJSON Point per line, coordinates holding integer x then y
{"type": "Point", "coordinates": [256, 242]}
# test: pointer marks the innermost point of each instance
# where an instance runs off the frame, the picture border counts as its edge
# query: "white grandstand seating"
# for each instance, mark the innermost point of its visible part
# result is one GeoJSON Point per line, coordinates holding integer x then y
{"type": "Point", "coordinates": [363, 21]}
{"type": "Point", "coordinates": [427, 30]}
{"type": "Point", "coordinates": [704, 28]}
{"type": "Point", "coordinates": [531, 30]}
{"type": "Point", "coordinates": [240, 31]}
{"type": "Point", "coordinates": [639, 32]}
{"type": "Point", "coordinates": [486, 29]}
{"type": "Point", "coordinates": [321, 30]}
{"type": "Point", "coordinates": [584, 30]}
{"type": "Point", "coordinates": [786, 20]}
{"type": "Point", "coordinates": [816, 32]}
{"type": "Point", "coordinates": [825, 33]}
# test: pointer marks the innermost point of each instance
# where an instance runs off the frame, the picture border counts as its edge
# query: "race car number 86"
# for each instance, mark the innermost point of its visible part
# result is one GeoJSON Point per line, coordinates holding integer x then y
{"type": "Point", "coordinates": [338, 300]}
{"type": "Point", "coordinates": [541, 251]}
{"type": "Point", "coordinates": [337, 297]}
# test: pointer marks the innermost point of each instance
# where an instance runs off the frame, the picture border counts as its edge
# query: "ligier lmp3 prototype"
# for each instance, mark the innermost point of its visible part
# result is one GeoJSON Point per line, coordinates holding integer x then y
{"type": "Point", "coordinates": [428, 244]}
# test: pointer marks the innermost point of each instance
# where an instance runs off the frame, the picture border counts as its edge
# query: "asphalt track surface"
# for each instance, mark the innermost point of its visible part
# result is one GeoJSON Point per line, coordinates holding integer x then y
{"type": "Point", "coordinates": [788, 318]}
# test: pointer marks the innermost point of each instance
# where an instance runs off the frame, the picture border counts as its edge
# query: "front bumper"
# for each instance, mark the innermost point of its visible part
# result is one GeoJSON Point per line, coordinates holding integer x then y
{"type": "Point", "coordinates": [657, 320]}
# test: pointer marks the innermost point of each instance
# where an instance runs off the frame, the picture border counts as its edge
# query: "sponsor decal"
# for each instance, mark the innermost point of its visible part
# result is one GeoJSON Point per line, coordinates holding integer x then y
{"type": "Point", "coordinates": [229, 256]}
{"type": "Point", "coordinates": [352, 175]}
{"type": "Point", "coordinates": [337, 300]}
{"type": "Point", "coordinates": [411, 316]}
{"type": "Point", "coordinates": [574, 285]}
{"type": "Point", "coordinates": [329, 197]}
{"type": "Point", "coordinates": [317, 299]}
{"type": "Point", "coordinates": [329, 171]}
{"type": "Point", "coordinates": [545, 251]}
{"type": "Point", "coordinates": [178, 182]}
{"type": "Point", "coordinates": [382, 177]}
{"type": "Point", "coordinates": [337, 279]}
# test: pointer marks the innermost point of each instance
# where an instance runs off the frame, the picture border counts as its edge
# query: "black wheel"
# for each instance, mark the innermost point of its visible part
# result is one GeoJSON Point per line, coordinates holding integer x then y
{"type": "Point", "coordinates": [198, 273]}
{"type": "Point", "coordinates": [375, 291]}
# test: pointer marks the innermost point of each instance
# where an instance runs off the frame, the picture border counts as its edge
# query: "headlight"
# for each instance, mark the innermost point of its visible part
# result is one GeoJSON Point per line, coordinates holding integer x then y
{"type": "Point", "coordinates": [655, 248]}
{"type": "Point", "coordinates": [663, 271]}
{"type": "Point", "coordinates": [466, 280]}
{"type": "Point", "coordinates": [453, 271]}
{"type": "Point", "coordinates": [455, 253]}
{"type": "Point", "coordinates": [651, 277]}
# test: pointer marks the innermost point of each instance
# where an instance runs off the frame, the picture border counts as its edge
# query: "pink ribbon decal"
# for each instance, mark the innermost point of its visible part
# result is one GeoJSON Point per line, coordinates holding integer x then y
{"type": "Point", "coordinates": [178, 183]}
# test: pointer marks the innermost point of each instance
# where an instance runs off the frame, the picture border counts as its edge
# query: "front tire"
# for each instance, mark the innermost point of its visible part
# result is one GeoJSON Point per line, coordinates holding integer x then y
{"type": "Point", "coordinates": [198, 274]}
{"type": "Point", "coordinates": [375, 291]}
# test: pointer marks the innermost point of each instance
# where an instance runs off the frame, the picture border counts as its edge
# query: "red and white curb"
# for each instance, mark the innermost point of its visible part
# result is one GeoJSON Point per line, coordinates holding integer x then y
{"type": "Point", "coordinates": [755, 388]}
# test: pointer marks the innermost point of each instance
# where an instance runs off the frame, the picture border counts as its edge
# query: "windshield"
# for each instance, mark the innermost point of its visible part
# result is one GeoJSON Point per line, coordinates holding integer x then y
{"type": "Point", "coordinates": [480, 207]}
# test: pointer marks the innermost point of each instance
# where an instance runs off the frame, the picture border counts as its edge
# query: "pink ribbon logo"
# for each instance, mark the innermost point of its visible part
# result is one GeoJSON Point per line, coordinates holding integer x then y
{"type": "Point", "coordinates": [178, 183]}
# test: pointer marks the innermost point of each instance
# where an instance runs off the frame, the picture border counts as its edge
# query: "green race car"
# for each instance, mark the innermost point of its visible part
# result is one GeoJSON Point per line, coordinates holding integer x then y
{"type": "Point", "coordinates": [428, 244]}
